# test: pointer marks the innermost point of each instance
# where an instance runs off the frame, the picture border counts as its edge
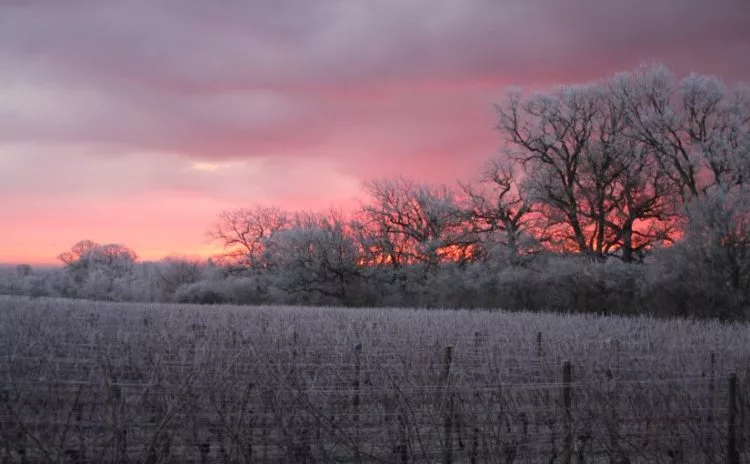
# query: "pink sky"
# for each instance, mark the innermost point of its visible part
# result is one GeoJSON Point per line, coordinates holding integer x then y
{"type": "Point", "coordinates": [137, 122]}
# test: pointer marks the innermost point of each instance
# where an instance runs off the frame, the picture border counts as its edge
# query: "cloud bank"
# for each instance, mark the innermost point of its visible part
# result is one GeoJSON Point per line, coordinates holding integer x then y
{"type": "Point", "coordinates": [107, 103]}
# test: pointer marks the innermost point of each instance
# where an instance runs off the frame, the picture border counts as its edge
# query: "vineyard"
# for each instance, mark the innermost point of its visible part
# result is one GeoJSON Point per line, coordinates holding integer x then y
{"type": "Point", "coordinates": [86, 382]}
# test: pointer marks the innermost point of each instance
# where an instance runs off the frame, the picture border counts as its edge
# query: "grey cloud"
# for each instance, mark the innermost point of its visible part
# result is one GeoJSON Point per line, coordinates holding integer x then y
{"type": "Point", "coordinates": [329, 41]}
{"type": "Point", "coordinates": [253, 78]}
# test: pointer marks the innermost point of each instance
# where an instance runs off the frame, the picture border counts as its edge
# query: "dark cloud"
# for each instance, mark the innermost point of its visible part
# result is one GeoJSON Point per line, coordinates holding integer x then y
{"type": "Point", "coordinates": [332, 41]}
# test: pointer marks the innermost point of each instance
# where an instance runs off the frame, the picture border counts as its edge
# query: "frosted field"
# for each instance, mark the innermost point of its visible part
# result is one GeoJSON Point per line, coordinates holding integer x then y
{"type": "Point", "coordinates": [100, 382]}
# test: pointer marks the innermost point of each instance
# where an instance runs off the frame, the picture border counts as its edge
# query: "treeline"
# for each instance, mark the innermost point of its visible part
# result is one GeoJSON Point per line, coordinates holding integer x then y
{"type": "Point", "coordinates": [626, 195]}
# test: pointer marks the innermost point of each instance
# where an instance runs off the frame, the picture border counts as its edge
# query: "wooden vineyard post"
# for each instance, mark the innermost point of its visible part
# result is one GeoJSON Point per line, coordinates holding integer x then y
{"type": "Point", "coordinates": [403, 449]}
{"type": "Point", "coordinates": [567, 399]}
{"type": "Point", "coordinates": [709, 434]}
{"type": "Point", "coordinates": [711, 387]}
{"type": "Point", "coordinates": [477, 401]}
{"type": "Point", "coordinates": [356, 401]}
{"type": "Point", "coordinates": [265, 423]}
{"type": "Point", "coordinates": [448, 421]}
{"type": "Point", "coordinates": [477, 343]}
{"type": "Point", "coordinates": [733, 455]}
{"type": "Point", "coordinates": [539, 344]}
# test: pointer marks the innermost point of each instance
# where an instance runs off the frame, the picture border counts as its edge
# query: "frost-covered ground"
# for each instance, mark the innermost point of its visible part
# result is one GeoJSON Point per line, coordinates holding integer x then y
{"type": "Point", "coordinates": [104, 382]}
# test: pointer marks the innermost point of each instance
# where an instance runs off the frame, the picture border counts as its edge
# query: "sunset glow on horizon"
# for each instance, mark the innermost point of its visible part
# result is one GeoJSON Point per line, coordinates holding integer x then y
{"type": "Point", "coordinates": [139, 122]}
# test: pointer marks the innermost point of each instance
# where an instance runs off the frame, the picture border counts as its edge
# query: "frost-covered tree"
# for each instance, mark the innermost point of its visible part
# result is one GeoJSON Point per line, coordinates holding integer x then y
{"type": "Point", "coordinates": [24, 270]}
{"type": "Point", "coordinates": [87, 256]}
{"type": "Point", "coordinates": [171, 273]}
{"type": "Point", "coordinates": [548, 134]}
{"type": "Point", "coordinates": [95, 269]}
{"type": "Point", "coordinates": [609, 164]}
{"type": "Point", "coordinates": [316, 256]}
{"type": "Point", "coordinates": [244, 234]}
{"type": "Point", "coordinates": [501, 215]}
{"type": "Point", "coordinates": [641, 165]}
{"type": "Point", "coordinates": [708, 271]}
{"type": "Point", "coordinates": [407, 222]}
{"type": "Point", "coordinates": [22, 279]}
{"type": "Point", "coordinates": [698, 129]}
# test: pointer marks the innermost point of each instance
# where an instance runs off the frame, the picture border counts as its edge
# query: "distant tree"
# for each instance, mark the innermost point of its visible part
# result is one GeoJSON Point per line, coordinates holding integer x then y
{"type": "Point", "coordinates": [79, 253]}
{"type": "Point", "coordinates": [500, 214]}
{"type": "Point", "coordinates": [24, 270]}
{"type": "Point", "coordinates": [316, 255]}
{"type": "Point", "coordinates": [95, 268]}
{"type": "Point", "coordinates": [610, 164]}
{"type": "Point", "coordinates": [699, 130]}
{"type": "Point", "coordinates": [549, 134]}
{"type": "Point", "coordinates": [171, 273]}
{"type": "Point", "coordinates": [86, 256]}
{"type": "Point", "coordinates": [632, 197]}
{"type": "Point", "coordinates": [715, 252]}
{"type": "Point", "coordinates": [244, 234]}
{"type": "Point", "coordinates": [407, 222]}
{"type": "Point", "coordinates": [642, 166]}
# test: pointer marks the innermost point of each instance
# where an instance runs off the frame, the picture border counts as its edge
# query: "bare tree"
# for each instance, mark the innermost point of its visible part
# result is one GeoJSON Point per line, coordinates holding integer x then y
{"type": "Point", "coordinates": [609, 164]}
{"type": "Point", "coordinates": [173, 272]}
{"type": "Point", "coordinates": [316, 253]}
{"type": "Point", "coordinates": [244, 234]}
{"type": "Point", "coordinates": [550, 134]}
{"type": "Point", "coordinates": [697, 129]}
{"type": "Point", "coordinates": [628, 197]}
{"type": "Point", "coordinates": [500, 212]}
{"type": "Point", "coordinates": [644, 209]}
{"type": "Point", "coordinates": [417, 223]}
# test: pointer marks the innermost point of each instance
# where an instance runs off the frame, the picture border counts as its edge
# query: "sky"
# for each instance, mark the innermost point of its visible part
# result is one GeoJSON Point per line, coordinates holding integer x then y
{"type": "Point", "coordinates": [137, 122]}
